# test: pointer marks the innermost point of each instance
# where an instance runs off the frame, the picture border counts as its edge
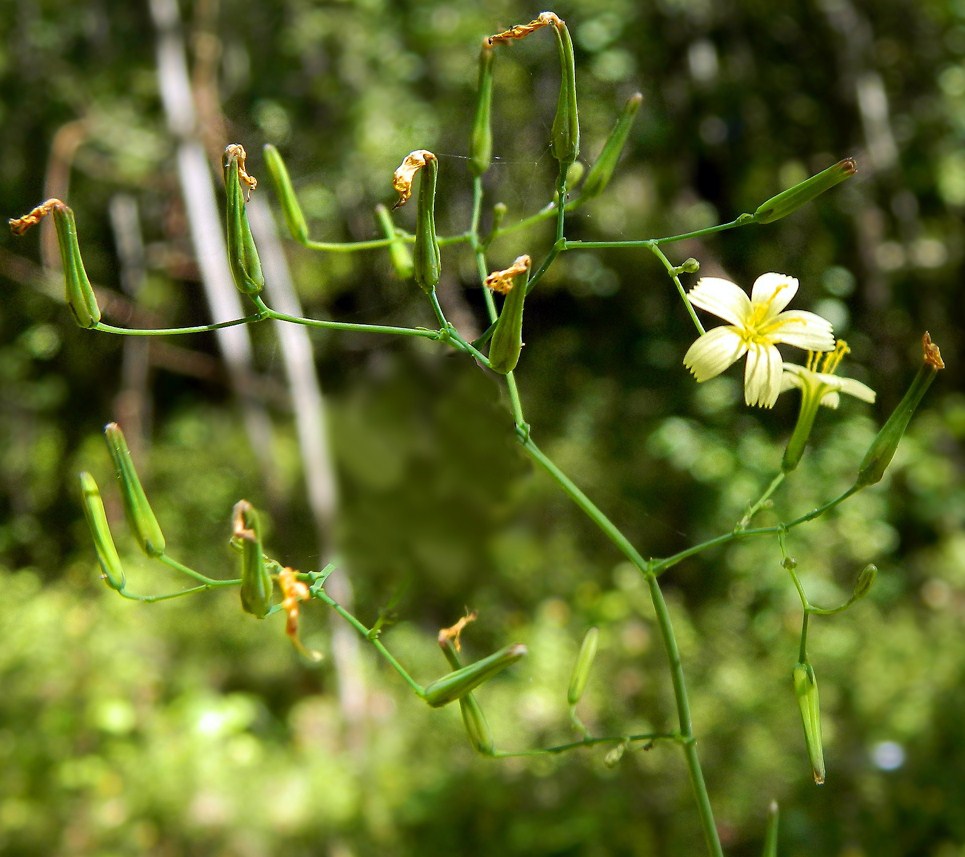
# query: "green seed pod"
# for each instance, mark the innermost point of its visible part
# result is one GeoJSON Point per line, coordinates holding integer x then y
{"type": "Point", "coordinates": [565, 139]}
{"type": "Point", "coordinates": [885, 445]}
{"type": "Point", "coordinates": [806, 690]}
{"type": "Point", "coordinates": [507, 339]}
{"type": "Point", "coordinates": [286, 194]}
{"type": "Point", "coordinates": [581, 669]}
{"type": "Point", "coordinates": [477, 727]}
{"type": "Point", "coordinates": [457, 684]}
{"type": "Point", "coordinates": [139, 514]}
{"type": "Point", "coordinates": [110, 562]}
{"type": "Point", "coordinates": [481, 142]}
{"type": "Point", "coordinates": [399, 253]}
{"type": "Point", "coordinates": [602, 170]}
{"type": "Point", "coordinates": [793, 198]}
{"type": "Point", "coordinates": [80, 293]}
{"type": "Point", "coordinates": [243, 256]}
{"type": "Point", "coordinates": [426, 260]}
{"type": "Point", "coordinates": [256, 583]}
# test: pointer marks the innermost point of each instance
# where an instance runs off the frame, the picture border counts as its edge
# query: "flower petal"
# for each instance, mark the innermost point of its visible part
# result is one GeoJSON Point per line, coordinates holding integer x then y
{"type": "Point", "coordinates": [775, 289]}
{"type": "Point", "coordinates": [723, 298]}
{"type": "Point", "coordinates": [858, 390]}
{"type": "Point", "coordinates": [713, 352]}
{"type": "Point", "coordinates": [801, 329]}
{"type": "Point", "coordinates": [762, 375]}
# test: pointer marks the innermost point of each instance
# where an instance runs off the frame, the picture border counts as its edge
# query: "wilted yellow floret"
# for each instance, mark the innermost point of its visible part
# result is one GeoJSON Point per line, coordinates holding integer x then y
{"type": "Point", "coordinates": [405, 174]}
{"type": "Point", "coordinates": [502, 281]}
{"type": "Point", "coordinates": [520, 31]}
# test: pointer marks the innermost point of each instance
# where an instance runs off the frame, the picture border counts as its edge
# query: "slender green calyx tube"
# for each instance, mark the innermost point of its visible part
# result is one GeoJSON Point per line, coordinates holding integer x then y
{"type": "Point", "coordinates": [884, 446]}
{"type": "Point", "coordinates": [473, 718]}
{"type": "Point", "coordinates": [806, 691]}
{"type": "Point", "coordinates": [457, 684]}
{"type": "Point", "coordinates": [426, 260]}
{"type": "Point", "coordinates": [278, 173]}
{"type": "Point", "coordinates": [243, 256]}
{"type": "Point", "coordinates": [481, 141]}
{"type": "Point", "coordinates": [793, 198]}
{"type": "Point", "coordinates": [565, 139]}
{"type": "Point", "coordinates": [507, 339]}
{"type": "Point", "coordinates": [80, 293]}
{"type": "Point", "coordinates": [770, 836]}
{"type": "Point", "coordinates": [581, 669]}
{"type": "Point", "coordinates": [399, 253]}
{"type": "Point", "coordinates": [140, 516]}
{"type": "Point", "coordinates": [256, 583]}
{"type": "Point", "coordinates": [110, 562]}
{"type": "Point", "coordinates": [603, 168]}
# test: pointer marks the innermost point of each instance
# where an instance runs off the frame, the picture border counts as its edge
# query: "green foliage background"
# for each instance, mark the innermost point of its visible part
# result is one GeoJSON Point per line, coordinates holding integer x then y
{"type": "Point", "coordinates": [190, 728]}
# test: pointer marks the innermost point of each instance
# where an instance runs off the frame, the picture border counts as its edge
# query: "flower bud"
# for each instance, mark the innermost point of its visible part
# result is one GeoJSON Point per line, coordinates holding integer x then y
{"type": "Point", "coordinates": [806, 690]}
{"type": "Point", "coordinates": [884, 446]}
{"type": "Point", "coordinates": [256, 583]}
{"type": "Point", "coordinates": [110, 562]}
{"type": "Point", "coordinates": [457, 684]}
{"type": "Point", "coordinates": [80, 293]}
{"type": "Point", "coordinates": [426, 259]}
{"type": "Point", "coordinates": [770, 837]}
{"type": "Point", "coordinates": [602, 170]}
{"type": "Point", "coordinates": [581, 669]}
{"type": "Point", "coordinates": [278, 172]}
{"type": "Point", "coordinates": [565, 138]}
{"type": "Point", "coordinates": [242, 254]}
{"type": "Point", "coordinates": [481, 142]}
{"type": "Point", "coordinates": [866, 579]}
{"type": "Point", "coordinates": [139, 514]}
{"type": "Point", "coordinates": [793, 198]}
{"type": "Point", "coordinates": [507, 340]}
{"type": "Point", "coordinates": [399, 253]}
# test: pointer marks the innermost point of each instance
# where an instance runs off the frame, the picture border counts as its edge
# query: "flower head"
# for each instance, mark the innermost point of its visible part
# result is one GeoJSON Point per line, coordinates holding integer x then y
{"type": "Point", "coordinates": [757, 325]}
{"type": "Point", "coordinates": [824, 386]}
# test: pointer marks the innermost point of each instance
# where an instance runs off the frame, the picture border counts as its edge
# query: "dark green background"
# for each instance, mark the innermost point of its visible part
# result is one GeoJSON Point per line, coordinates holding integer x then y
{"type": "Point", "coordinates": [190, 728]}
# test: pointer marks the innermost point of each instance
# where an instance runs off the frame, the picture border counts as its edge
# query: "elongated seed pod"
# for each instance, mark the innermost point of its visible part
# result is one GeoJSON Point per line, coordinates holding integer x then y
{"type": "Point", "coordinates": [885, 444]}
{"type": "Point", "coordinates": [603, 168]}
{"type": "Point", "coordinates": [110, 562]}
{"type": "Point", "coordinates": [793, 198]}
{"type": "Point", "coordinates": [140, 516]}
{"type": "Point", "coordinates": [278, 172]}
{"type": "Point", "coordinates": [243, 256]}
{"type": "Point", "coordinates": [256, 583]}
{"type": "Point", "coordinates": [457, 684]}
{"type": "Point", "coordinates": [507, 340]}
{"type": "Point", "coordinates": [80, 293]}
{"type": "Point", "coordinates": [806, 691]}
{"type": "Point", "coordinates": [426, 259]}
{"type": "Point", "coordinates": [481, 141]}
{"type": "Point", "coordinates": [565, 139]}
{"type": "Point", "coordinates": [581, 669]}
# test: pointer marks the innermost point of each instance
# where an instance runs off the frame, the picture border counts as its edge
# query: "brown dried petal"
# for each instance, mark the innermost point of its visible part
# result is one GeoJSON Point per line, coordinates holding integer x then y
{"type": "Point", "coordinates": [932, 356]}
{"type": "Point", "coordinates": [520, 31]}
{"type": "Point", "coordinates": [19, 225]}
{"type": "Point", "coordinates": [502, 281]}
{"type": "Point", "coordinates": [403, 177]}
{"type": "Point", "coordinates": [238, 151]}
{"type": "Point", "coordinates": [447, 634]}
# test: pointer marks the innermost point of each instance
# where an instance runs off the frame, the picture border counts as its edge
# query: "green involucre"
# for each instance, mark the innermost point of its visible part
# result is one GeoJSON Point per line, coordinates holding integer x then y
{"type": "Point", "coordinates": [140, 516]}
{"type": "Point", "coordinates": [427, 262]}
{"type": "Point", "coordinates": [110, 562]}
{"type": "Point", "coordinates": [256, 582]}
{"type": "Point", "coordinates": [603, 168]}
{"type": "Point", "coordinates": [481, 142]}
{"type": "Point", "coordinates": [793, 198]}
{"type": "Point", "coordinates": [294, 218]}
{"type": "Point", "coordinates": [243, 258]}
{"type": "Point", "coordinates": [457, 684]}
{"type": "Point", "coordinates": [80, 293]}
{"type": "Point", "coordinates": [565, 137]}
{"type": "Point", "coordinates": [806, 691]}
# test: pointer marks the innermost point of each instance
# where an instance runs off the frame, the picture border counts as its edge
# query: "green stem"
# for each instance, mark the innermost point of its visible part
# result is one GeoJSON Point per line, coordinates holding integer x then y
{"type": "Point", "coordinates": [647, 737]}
{"type": "Point", "coordinates": [323, 596]}
{"type": "Point", "coordinates": [672, 271]}
{"type": "Point", "coordinates": [756, 507]}
{"type": "Point", "coordinates": [683, 716]}
{"type": "Point", "coordinates": [208, 582]}
{"type": "Point", "coordinates": [743, 220]}
{"type": "Point", "coordinates": [172, 331]}
{"type": "Point", "coordinates": [421, 332]}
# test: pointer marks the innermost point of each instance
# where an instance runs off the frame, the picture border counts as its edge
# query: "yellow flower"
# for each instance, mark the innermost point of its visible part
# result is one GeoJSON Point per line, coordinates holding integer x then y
{"type": "Point", "coordinates": [757, 325]}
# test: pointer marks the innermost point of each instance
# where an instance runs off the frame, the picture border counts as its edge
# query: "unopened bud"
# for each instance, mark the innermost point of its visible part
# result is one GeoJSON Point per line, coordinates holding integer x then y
{"type": "Point", "coordinates": [481, 142]}
{"type": "Point", "coordinates": [603, 168]}
{"type": "Point", "coordinates": [80, 293]}
{"type": "Point", "coordinates": [399, 253]}
{"type": "Point", "coordinates": [140, 516]}
{"type": "Point", "coordinates": [278, 172]}
{"type": "Point", "coordinates": [615, 756]}
{"type": "Point", "coordinates": [866, 579]}
{"type": "Point", "coordinates": [243, 256]}
{"type": "Point", "coordinates": [507, 341]}
{"type": "Point", "coordinates": [256, 583]}
{"type": "Point", "coordinates": [457, 684]}
{"type": "Point", "coordinates": [806, 691]}
{"type": "Point", "coordinates": [110, 562]}
{"type": "Point", "coordinates": [793, 198]}
{"type": "Point", "coordinates": [885, 445]}
{"type": "Point", "coordinates": [581, 669]}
